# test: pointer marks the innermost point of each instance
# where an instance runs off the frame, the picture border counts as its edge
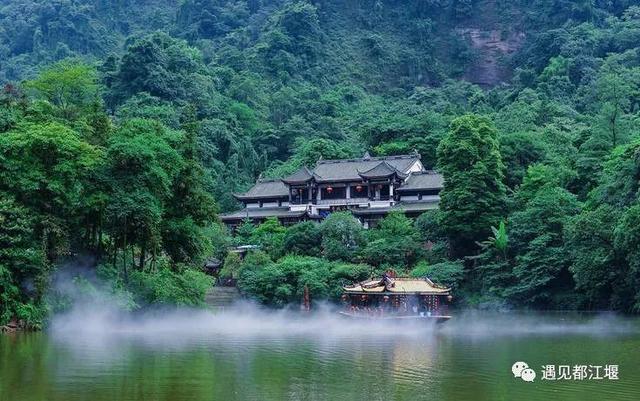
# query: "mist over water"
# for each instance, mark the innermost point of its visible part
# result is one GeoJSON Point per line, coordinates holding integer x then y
{"type": "Point", "coordinates": [98, 351]}
{"type": "Point", "coordinates": [247, 352]}
{"type": "Point", "coordinates": [250, 320]}
{"type": "Point", "coordinates": [99, 316]}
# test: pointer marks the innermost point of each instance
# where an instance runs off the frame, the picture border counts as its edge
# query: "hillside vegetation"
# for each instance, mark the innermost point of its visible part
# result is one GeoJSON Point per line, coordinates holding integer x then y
{"type": "Point", "coordinates": [125, 126]}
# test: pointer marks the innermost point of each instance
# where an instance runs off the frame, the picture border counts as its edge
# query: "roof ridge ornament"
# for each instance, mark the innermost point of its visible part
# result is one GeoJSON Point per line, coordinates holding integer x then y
{"type": "Point", "coordinates": [366, 156]}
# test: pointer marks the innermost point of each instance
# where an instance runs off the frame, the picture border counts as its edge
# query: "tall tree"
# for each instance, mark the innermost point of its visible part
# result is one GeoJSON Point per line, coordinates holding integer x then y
{"type": "Point", "coordinates": [142, 165]}
{"type": "Point", "coordinates": [190, 209]}
{"type": "Point", "coordinates": [21, 261]}
{"type": "Point", "coordinates": [70, 86]}
{"type": "Point", "coordinates": [46, 167]}
{"type": "Point", "coordinates": [474, 195]}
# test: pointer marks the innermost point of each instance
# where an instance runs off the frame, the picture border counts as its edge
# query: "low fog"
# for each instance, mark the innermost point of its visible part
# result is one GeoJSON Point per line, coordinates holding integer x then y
{"type": "Point", "coordinates": [250, 320]}
{"type": "Point", "coordinates": [100, 316]}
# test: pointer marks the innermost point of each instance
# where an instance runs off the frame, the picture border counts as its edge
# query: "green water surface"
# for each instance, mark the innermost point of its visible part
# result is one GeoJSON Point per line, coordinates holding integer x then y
{"type": "Point", "coordinates": [459, 362]}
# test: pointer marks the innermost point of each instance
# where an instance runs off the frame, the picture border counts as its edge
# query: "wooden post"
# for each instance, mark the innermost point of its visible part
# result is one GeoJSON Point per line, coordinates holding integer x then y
{"type": "Point", "coordinates": [306, 299]}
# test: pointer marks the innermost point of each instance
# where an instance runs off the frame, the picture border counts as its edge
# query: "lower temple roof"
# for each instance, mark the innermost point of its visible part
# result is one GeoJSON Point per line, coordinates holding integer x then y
{"type": "Point", "coordinates": [262, 212]}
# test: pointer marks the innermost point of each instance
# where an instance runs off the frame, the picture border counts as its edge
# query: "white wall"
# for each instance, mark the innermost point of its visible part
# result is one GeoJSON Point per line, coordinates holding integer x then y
{"type": "Point", "coordinates": [415, 167]}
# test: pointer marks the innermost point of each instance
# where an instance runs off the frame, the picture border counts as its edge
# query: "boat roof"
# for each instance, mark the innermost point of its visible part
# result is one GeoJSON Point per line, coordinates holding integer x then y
{"type": "Point", "coordinates": [420, 286]}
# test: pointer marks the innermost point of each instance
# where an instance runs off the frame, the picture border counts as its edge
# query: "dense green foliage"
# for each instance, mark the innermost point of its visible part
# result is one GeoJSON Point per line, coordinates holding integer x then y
{"type": "Point", "coordinates": [475, 196]}
{"type": "Point", "coordinates": [283, 282]}
{"type": "Point", "coordinates": [340, 251]}
{"type": "Point", "coordinates": [130, 194]}
{"type": "Point", "coordinates": [120, 122]}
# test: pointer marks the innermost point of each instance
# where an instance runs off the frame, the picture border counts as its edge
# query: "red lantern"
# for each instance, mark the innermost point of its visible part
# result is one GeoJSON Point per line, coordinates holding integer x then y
{"type": "Point", "coordinates": [359, 188]}
{"type": "Point", "coordinates": [329, 189]}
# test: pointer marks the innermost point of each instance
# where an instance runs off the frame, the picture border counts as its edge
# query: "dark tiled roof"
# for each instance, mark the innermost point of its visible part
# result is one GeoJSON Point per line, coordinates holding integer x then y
{"type": "Point", "coordinates": [348, 169]}
{"type": "Point", "coordinates": [262, 212]}
{"type": "Point", "coordinates": [382, 169]}
{"type": "Point", "coordinates": [424, 180]}
{"type": "Point", "coordinates": [300, 176]}
{"type": "Point", "coordinates": [266, 189]}
{"type": "Point", "coordinates": [332, 171]}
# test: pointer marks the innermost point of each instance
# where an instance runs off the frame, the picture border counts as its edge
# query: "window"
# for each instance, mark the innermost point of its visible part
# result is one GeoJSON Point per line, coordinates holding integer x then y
{"type": "Point", "coordinates": [300, 195]}
{"type": "Point", "coordinates": [359, 191]}
{"type": "Point", "coordinates": [384, 192]}
{"type": "Point", "coordinates": [334, 193]}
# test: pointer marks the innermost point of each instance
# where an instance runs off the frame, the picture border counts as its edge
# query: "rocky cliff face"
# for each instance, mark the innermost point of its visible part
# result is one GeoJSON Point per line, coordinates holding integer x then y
{"type": "Point", "coordinates": [492, 50]}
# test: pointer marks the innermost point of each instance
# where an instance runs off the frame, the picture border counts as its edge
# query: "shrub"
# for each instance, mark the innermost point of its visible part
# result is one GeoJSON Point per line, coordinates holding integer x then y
{"type": "Point", "coordinates": [231, 266]}
{"type": "Point", "coordinates": [167, 287]}
{"type": "Point", "coordinates": [445, 273]}
{"type": "Point", "coordinates": [393, 242]}
{"type": "Point", "coordinates": [283, 282]}
{"type": "Point", "coordinates": [303, 239]}
{"type": "Point", "coordinates": [342, 236]}
{"type": "Point", "coordinates": [428, 226]}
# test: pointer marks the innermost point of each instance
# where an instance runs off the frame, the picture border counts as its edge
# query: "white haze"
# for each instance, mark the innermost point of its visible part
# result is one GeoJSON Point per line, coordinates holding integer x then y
{"type": "Point", "coordinates": [99, 317]}
{"type": "Point", "coordinates": [249, 320]}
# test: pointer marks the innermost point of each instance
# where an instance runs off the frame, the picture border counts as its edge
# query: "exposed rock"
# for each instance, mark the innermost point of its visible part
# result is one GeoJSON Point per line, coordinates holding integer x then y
{"type": "Point", "coordinates": [13, 326]}
{"type": "Point", "coordinates": [493, 47]}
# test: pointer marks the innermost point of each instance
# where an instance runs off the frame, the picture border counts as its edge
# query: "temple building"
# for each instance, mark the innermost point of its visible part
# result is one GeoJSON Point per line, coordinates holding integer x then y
{"type": "Point", "coordinates": [369, 187]}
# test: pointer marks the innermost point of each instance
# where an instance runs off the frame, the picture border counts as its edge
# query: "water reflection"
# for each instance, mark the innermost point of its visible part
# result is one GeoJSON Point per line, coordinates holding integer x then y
{"type": "Point", "coordinates": [276, 356]}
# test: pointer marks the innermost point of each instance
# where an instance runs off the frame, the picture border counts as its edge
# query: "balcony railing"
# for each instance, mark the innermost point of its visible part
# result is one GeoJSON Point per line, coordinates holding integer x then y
{"type": "Point", "coordinates": [302, 202]}
{"type": "Point", "coordinates": [342, 201]}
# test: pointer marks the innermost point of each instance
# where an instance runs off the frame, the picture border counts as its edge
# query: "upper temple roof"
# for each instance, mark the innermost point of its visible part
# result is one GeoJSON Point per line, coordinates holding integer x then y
{"type": "Point", "coordinates": [301, 176]}
{"type": "Point", "coordinates": [382, 169]}
{"type": "Point", "coordinates": [406, 167]}
{"type": "Point", "coordinates": [349, 169]}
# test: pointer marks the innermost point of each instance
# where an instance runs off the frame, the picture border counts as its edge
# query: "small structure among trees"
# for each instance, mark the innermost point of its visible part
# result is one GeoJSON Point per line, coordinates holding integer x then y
{"type": "Point", "coordinates": [391, 297]}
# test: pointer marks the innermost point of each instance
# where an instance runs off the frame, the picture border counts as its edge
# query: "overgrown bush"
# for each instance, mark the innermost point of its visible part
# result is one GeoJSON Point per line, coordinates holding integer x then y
{"type": "Point", "coordinates": [167, 287]}
{"type": "Point", "coordinates": [280, 283]}
{"type": "Point", "coordinates": [342, 236]}
{"type": "Point", "coordinates": [446, 273]}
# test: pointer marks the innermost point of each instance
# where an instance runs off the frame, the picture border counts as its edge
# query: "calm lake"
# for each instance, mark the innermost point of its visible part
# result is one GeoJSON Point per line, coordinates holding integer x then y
{"type": "Point", "coordinates": [250, 355]}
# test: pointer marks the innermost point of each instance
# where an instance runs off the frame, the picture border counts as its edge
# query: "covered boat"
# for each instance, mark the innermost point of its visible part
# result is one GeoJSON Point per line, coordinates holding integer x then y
{"type": "Point", "coordinates": [397, 298]}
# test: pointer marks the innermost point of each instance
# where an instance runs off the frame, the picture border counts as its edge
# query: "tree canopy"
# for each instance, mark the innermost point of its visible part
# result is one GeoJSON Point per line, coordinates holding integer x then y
{"type": "Point", "coordinates": [120, 143]}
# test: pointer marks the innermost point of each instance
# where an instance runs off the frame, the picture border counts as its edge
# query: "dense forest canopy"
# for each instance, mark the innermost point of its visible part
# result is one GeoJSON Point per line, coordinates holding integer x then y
{"type": "Point", "coordinates": [125, 126]}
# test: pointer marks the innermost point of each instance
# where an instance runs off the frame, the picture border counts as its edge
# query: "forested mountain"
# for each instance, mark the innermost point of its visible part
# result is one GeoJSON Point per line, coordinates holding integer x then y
{"type": "Point", "coordinates": [155, 108]}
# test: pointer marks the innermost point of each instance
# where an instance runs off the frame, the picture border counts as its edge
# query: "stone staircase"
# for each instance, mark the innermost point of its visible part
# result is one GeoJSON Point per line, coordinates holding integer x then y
{"type": "Point", "coordinates": [221, 297]}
